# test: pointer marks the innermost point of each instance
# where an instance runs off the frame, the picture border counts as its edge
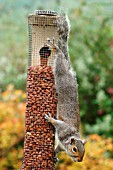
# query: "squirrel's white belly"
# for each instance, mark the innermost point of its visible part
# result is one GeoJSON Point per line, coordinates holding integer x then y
{"type": "Point", "coordinates": [58, 141]}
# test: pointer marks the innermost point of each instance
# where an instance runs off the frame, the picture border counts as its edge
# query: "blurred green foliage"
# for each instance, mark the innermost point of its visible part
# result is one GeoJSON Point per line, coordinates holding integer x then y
{"type": "Point", "coordinates": [90, 49]}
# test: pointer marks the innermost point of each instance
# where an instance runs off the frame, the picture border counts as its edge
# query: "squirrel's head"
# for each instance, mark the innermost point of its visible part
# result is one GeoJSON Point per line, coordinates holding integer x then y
{"type": "Point", "coordinates": [75, 149]}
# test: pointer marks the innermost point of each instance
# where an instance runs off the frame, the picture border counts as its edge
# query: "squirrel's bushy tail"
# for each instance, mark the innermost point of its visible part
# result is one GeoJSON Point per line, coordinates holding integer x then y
{"type": "Point", "coordinates": [63, 31]}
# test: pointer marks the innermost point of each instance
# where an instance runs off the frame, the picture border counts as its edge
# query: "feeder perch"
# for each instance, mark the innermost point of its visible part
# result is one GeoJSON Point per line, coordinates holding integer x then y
{"type": "Point", "coordinates": [41, 96]}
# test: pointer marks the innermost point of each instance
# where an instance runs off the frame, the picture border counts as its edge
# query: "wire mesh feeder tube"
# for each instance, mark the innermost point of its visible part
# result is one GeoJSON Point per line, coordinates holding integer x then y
{"type": "Point", "coordinates": [41, 97]}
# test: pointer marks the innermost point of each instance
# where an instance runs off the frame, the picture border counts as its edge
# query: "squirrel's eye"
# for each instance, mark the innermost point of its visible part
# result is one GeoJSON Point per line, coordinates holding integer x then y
{"type": "Point", "coordinates": [74, 149]}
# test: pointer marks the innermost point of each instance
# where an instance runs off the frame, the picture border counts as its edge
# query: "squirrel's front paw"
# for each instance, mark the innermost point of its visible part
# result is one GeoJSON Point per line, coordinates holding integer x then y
{"type": "Point", "coordinates": [55, 159]}
{"type": "Point", "coordinates": [48, 117]}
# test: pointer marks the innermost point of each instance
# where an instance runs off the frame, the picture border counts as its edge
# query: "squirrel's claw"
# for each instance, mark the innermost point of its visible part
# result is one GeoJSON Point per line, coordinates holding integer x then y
{"type": "Point", "coordinates": [50, 43]}
{"type": "Point", "coordinates": [51, 40]}
{"type": "Point", "coordinates": [55, 159]}
{"type": "Point", "coordinates": [47, 117]}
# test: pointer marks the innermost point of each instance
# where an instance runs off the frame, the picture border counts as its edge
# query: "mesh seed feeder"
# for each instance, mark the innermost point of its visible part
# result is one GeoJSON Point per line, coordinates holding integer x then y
{"type": "Point", "coordinates": [42, 25]}
{"type": "Point", "coordinates": [41, 97]}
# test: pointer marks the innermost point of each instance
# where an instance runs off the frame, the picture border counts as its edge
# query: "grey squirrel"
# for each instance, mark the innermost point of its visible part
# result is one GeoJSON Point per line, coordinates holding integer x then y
{"type": "Point", "coordinates": [68, 118]}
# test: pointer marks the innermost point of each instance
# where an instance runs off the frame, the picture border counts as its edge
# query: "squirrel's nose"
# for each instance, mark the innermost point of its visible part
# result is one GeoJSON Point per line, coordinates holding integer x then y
{"type": "Point", "coordinates": [79, 160]}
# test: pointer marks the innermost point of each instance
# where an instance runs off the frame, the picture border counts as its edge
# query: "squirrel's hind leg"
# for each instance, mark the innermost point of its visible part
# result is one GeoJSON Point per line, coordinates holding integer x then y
{"type": "Point", "coordinates": [52, 45]}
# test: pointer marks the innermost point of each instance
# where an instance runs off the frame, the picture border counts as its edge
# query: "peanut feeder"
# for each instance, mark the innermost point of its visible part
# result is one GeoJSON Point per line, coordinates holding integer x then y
{"type": "Point", "coordinates": [41, 97]}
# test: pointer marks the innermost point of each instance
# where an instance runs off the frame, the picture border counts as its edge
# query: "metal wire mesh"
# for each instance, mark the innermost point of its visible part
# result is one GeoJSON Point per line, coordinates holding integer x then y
{"type": "Point", "coordinates": [41, 25]}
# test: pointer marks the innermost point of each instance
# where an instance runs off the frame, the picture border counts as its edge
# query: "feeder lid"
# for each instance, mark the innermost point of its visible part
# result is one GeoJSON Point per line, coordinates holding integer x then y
{"type": "Point", "coordinates": [44, 12]}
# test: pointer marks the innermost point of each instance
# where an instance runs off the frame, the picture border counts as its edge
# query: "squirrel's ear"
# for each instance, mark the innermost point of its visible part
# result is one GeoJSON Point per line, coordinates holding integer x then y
{"type": "Point", "coordinates": [84, 141]}
{"type": "Point", "coordinates": [72, 140]}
